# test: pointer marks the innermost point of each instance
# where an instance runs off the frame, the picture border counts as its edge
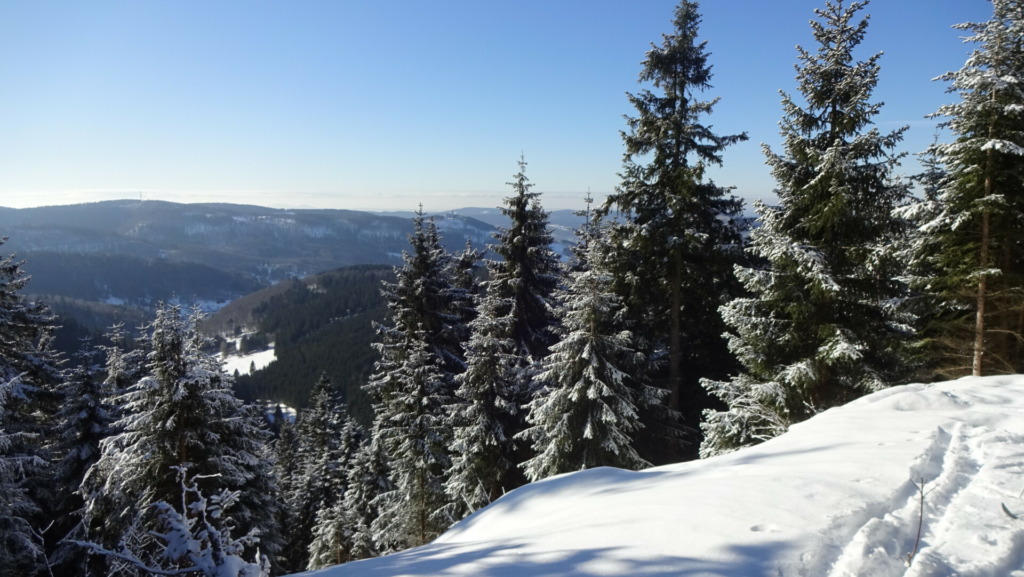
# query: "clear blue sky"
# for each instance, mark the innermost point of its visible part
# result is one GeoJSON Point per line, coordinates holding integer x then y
{"type": "Point", "coordinates": [385, 104]}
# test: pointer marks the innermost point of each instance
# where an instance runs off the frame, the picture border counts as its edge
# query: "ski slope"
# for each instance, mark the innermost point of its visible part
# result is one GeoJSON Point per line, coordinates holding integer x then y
{"type": "Point", "coordinates": [838, 495]}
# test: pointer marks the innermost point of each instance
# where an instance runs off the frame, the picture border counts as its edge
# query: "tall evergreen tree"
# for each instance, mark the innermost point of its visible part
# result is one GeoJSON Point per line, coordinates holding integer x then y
{"type": "Point", "coordinates": [84, 419]}
{"type": "Point", "coordinates": [125, 365]}
{"type": "Point", "coordinates": [424, 298]}
{"type": "Point", "coordinates": [318, 478]}
{"type": "Point", "coordinates": [586, 416]}
{"type": "Point", "coordinates": [463, 271]}
{"type": "Point", "coordinates": [932, 351]}
{"type": "Point", "coordinates": [484, 454]}
{"type": "Point", "coordinates": [126, 360]}
{"type": "Point", "coordinates": [678, 235]}
{"type": "Point", "coordinates": [333, 532]}
{"type": "Point", "coordinates": [821, 327]}
{"type": "Point", "coordinates": [183, 413]}
{"type": "Point", "coordinates": [413, 428]}
{"type": "Point", "coordinates": [21, 552]}
{"type": "Point", "coordinates": [368, 479]}
{"type": "Point", "coordinates": [970, 235]}
{"type": "Point", "coordinates": [288, 472]}
{"type": "Point", "coordinates": [512, 332]}
{"type": "Point", "coordinates": [528, 271]}
{"type": "Point", "coordinates": [413, 385]}
{"type": "Point", "coordinates": [29, 373]}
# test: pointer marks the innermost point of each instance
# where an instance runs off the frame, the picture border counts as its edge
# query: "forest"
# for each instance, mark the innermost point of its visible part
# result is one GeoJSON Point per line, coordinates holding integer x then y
{"type": "Point", "coordinates": [677, 330]}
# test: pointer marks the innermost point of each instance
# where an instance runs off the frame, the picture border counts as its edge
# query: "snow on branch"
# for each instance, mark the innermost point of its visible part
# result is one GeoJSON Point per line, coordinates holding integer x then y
{"type": "Point", "coordinates": [1003, 146]}
{"type": "Point", "coordinates": [199, 536]}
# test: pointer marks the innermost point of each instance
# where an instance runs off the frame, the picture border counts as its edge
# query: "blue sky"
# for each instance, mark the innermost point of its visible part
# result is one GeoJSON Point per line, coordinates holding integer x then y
{"type": "Point", "coordinates": [386, 104]}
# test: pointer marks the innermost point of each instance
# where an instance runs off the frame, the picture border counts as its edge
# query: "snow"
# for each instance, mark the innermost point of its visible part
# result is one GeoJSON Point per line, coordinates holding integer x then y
{"type": "Point", "coordinates": [838, 495]}
{"type": "Point", "coordinates": [242, 363]}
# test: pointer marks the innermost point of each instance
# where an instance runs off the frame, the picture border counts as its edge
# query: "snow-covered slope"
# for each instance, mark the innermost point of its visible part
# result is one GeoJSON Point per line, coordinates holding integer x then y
{"type": "Point", "coordinates": [243, 363]}
{"type": "Point", "coordinates": [837, 495]}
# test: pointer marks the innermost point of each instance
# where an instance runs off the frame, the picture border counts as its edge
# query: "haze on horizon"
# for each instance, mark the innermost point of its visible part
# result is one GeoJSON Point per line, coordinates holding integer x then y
{"type": "Point", "coordinates": [387, 104]}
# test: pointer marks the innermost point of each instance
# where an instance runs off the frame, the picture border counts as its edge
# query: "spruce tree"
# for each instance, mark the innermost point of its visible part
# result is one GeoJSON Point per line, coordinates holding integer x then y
{"type": "Point", "coordinates": [484, 455]}
{"type": "Point", "coordinates": [288, 472]}
{"type": "Point", "coordinates": [183, 413]}
{"type": "Point", "coordinates": [932, 353]}
{"type": "Point", "coordinates": [821, 327]}
{"type": "Point", "coordinates": [333, 531]}
{"type": "Point", "coordinates": [321, 456]}
{"type": "Point", "coordinates": [125, 365]}
{"type": "Point", "coordinates": [678, 235]}
{"type": "Point", "coordinates": [528, 271]}
{"type": "Point", "coordinates": [970, 238]}
{"type": "Point", "coordinates": [412, 426]}
{"type": "Point", "coordinates": [586, 416]}
{"type": "Point", "coordinates": [424, 298]}
{"type": "Point", "coordinates": [413, 384]}
{"type": "Point", "coordinates": [368, 479]}
{"type": "Point", "coordinates": [511, 333]}
{"type": "Point", "coordinates": [21, 552]}
{"type": "Point", "coordinates": [84, 419]}
{"type": "Point", "coordinates": [29, 374]}
{"type": "Point", "coordinates": [463, 271]}
{"type": "Point", "coordinates": [125, 362]}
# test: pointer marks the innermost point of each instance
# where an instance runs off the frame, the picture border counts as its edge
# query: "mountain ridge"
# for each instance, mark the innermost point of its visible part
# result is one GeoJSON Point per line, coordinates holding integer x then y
{"type": "Point", "coordinates": [135, 253]}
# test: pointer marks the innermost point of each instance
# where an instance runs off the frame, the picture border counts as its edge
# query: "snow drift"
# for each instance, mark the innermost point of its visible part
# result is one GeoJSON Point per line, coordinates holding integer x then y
{"type": "Point", "coordinates": [837, 495]}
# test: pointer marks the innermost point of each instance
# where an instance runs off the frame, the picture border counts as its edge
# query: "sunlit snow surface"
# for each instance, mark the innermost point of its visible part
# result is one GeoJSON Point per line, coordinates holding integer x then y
{"type": "Point", "coordinates": [243, 363]}
{"type": "Point", "coordinates": [834, 496]}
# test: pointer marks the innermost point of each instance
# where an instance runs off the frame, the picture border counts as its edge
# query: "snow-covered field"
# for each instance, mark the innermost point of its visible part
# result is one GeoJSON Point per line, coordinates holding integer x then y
{"type": "Point", "coordinates": [243, 363]}
{"type": "Point", "coordinates": [837, 495]}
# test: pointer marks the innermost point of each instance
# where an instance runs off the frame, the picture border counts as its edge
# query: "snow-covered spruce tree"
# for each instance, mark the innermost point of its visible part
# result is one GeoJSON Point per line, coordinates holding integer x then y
{"type": "Point", "coordinates": [29, 373]}
{"type": "Point", "coordinates": [21, 552]}
{"type": "Point", "coordinates": [83, 420]}
{"type": "Point", "coordinates": [332, 533]}
{"type": "Point", "coordinates": [821, 326]}
{"type": "Point", "coordinates": [483, 451]}
{"type": "Point", "coordinates": [421, 353]}
{"type": "Point", "coordinates": [247, 458]}
{"type": "Point", "coordinates": [424, 298]}
{"type": "Point", "coordinates": [369, 477]}
{"type": "Point", "coordinates": [586, 415]}
{"type": "Point", "coordinates": [183, 413]}
{"type": "Point", "coordinates": [529, 270]}
{"type": "Point", "coordinates": [125, 365]}
{"type": "Point", "coordinates": [195, 536]}
{"type": "Point", "coordinates": [319, 470]}
{"type": "Point", "coordinates": [413, 427]}
{"type": "Point", "coordinates": [972, 241]}
{"type": "Point", "coordinates": [286, 469]}
{"type": "Point", "coordinates": [125, 360]}
{"type": "Point", "coordinates": [512, 332]}
{"type": "Point", "coordinates": [931, 352]}
{"type": "Point", "coordinates": [462, 271]}
{"type": "Point", "coordinates": [678, 236]}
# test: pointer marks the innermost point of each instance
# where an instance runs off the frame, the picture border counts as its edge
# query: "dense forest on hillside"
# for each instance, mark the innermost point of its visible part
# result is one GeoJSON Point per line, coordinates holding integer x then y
{"type": "Point", "coordinates": [134, 281]}
{"type": "Point", "coordinates": [113, 261]}
{"type": "Point", "coordinates": [322, 324]}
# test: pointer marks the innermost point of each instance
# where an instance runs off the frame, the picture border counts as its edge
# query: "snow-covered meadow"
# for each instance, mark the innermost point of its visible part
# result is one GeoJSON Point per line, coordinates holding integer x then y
{"type": "Point", "coordinates": [245, 363]}
{"type": "Point", "coordinates": [838, 495]}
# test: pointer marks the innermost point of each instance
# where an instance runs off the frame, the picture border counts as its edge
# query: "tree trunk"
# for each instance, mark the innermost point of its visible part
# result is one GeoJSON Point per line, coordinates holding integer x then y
{"type": "Point", "coordinates": [979, 322]}
{"type": "Point", "coordinates": [675, 334]}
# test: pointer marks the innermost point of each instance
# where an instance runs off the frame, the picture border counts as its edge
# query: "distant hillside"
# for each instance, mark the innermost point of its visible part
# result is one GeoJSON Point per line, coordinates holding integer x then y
{"type": "Point", "coordinates": [563, 223]}
{"type": "Point", "coordinates": [134, 253]}
{"type": "Point", "coordinates": [322, 323]}
{"type": "Point", "coordinates": [264, 243]}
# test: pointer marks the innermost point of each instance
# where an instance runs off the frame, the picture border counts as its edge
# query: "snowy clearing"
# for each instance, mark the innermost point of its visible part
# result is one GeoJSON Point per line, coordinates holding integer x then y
{"type": "Point", "coordinates": [838, 495]}
{"type": "Point", "coordinates": [242, 363]}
